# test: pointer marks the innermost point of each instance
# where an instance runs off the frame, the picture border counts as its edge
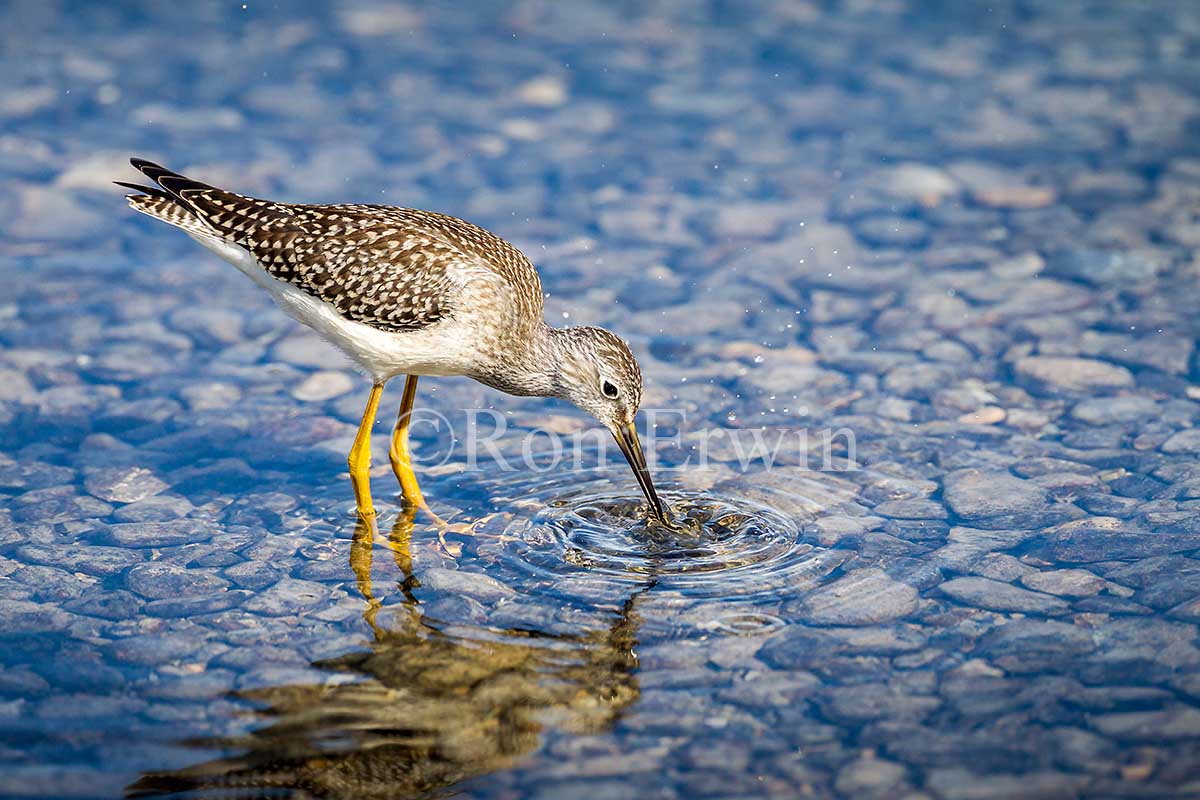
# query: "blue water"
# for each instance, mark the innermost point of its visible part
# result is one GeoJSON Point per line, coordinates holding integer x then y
{"type": "Point", "coordinates": [959, 240]}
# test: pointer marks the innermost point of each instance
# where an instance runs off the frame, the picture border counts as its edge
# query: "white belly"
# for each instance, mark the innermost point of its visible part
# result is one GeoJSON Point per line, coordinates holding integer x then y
{"type": "Point", "coordinates": [440, 349]}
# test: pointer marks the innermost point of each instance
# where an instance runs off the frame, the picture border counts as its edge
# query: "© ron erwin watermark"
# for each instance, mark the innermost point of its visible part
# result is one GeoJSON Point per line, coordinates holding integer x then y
{"type": "Point", "coordinates": [485, 440]}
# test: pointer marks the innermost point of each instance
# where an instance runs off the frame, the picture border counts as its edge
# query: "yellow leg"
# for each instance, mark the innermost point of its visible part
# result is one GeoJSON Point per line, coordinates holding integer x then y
{"type": "Point", "coordinates": [360, 456]}
{"type": "Point", "coordinates": [399, 453]}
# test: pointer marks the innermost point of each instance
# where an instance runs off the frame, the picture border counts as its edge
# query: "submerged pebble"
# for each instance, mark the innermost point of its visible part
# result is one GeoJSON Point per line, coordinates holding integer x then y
{"type": "Point", "coordinates": [863, 597]}
{"type": "Point", "coordinates": [124, 485]}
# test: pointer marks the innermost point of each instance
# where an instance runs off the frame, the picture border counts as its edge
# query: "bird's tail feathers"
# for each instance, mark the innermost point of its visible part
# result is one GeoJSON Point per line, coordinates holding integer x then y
{"type": "Point", "coordinates": [165, 201]}
{"type": "Point", "coordinates": [169, 211]}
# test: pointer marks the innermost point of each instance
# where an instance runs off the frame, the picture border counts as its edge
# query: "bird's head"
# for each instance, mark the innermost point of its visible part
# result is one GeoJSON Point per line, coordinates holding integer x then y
{"type": "Point", "coordinates": [599, 374]}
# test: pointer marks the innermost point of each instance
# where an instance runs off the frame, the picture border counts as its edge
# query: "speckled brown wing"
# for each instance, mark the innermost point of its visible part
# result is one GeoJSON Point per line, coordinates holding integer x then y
{"type": "Point", "coordinates": [394, 269]}
{"type": "Point", "coordinates": [370, 263]}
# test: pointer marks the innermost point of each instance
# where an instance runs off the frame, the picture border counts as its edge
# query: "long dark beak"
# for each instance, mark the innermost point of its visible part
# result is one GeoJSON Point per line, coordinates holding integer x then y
{"type": "Point", "coordinates": [627, 440]}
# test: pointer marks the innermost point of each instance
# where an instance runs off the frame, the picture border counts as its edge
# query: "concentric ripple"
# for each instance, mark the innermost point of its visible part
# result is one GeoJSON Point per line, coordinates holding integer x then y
{"type": "Point", "coordinates": [723, 546]}
{"type": "Point", "coordinates": [612, 535]}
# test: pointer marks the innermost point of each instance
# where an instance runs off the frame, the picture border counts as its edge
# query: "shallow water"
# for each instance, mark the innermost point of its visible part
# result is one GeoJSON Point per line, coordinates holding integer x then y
{"type": "Point", "coordinates": [946, 250]}
{"type": "Point", "coordinates": [608, 535]}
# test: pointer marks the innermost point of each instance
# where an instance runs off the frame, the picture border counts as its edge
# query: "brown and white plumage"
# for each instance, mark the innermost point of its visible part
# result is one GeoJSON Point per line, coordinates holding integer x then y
{"type": "Point", "coordinates": [390, 268]}
{"type": "Point", "coordinates": [403, 291]}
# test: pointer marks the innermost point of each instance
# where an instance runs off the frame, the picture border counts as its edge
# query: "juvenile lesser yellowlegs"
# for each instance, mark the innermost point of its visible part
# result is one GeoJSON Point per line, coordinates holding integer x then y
{"type": "Point", "coordinates": [407, 292]}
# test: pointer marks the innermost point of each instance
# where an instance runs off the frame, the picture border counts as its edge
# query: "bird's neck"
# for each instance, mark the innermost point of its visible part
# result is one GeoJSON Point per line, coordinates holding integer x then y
{"type": "Point", "coordinates": [534, 370]}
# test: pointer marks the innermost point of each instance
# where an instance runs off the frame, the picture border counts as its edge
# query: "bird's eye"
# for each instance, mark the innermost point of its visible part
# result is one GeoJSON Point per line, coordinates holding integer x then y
{"type": "Point", "coordinates": [609, 390]}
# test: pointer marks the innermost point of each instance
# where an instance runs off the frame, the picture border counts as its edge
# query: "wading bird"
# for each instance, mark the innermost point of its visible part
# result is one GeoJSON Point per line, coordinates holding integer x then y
{"type": "Point", "coordinates": [408, 292]}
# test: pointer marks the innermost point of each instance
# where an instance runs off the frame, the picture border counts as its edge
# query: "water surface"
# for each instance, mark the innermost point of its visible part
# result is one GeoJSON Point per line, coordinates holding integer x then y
{"type": "Point", "coordinates": [964, 233]}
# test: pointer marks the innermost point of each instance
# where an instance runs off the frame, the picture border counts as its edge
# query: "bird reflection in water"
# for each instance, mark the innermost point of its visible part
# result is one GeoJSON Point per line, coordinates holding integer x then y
{"type": "Point", "coordinates": [428, 710]}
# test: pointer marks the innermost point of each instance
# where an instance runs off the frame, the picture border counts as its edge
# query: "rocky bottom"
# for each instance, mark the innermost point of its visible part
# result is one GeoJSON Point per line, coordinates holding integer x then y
{"type": "Point", "coordinates": [913, 286]}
